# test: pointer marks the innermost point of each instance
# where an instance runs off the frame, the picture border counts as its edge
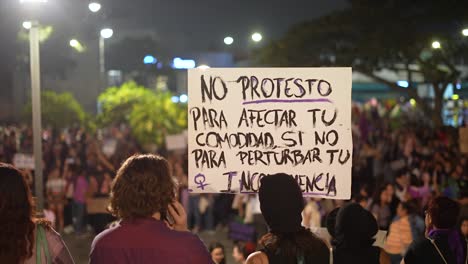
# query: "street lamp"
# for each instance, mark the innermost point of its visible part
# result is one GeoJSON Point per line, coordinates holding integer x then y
{"type": "Point", "coordinates": [228, 40]}
{"type": "Point", "coordinates": [436, 45]}
{"type": "Point", "coordinates": [465, 32]}
{"type": "Point", "coordinates": [257, 37]}
{"type": "Point", "coordinates": [35, 72]}
{"type": "Point", "coordinates": [74, 43]}
{"type": "Point", "coordinates": [94, 7]}
{"type": "Point", "coordinates": [104, 34]}
{"type": "Point", "coordinates": [27, 25]}
{"type": "Point", "coordinates": [32, 1]}
{"type": "Point", "coordinates": [107, 33]}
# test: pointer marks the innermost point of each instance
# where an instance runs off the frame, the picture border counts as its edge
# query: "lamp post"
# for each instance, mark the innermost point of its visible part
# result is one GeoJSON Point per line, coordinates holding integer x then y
{"type": "Point", "coordinates": [34, 60]}
{"type": "Point", "coordinates": [104, 34]}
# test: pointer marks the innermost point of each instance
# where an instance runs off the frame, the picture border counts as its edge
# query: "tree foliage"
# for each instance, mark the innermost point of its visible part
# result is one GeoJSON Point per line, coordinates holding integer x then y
{"type": "Point", "coordinates": [151, 115]}
{"type": "Point", "coordinates": [60, 110]}
{"type": "Point", "coordinates": [117, 102]}
{"type": "Point", "coordinates": [390, 34]}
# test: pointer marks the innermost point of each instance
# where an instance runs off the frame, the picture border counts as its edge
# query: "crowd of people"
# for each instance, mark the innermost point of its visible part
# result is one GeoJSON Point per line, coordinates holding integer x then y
{"type": "Point", "coordinates": [153, 226]}
{"type": "Point", "coordinates": [400, 171]}
{"type": "Point", "coordinates": [78, 171]}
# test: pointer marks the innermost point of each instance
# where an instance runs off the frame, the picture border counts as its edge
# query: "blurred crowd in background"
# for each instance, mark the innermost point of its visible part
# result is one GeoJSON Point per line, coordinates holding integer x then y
{"type": "Point", "coordinates": [398, 166]}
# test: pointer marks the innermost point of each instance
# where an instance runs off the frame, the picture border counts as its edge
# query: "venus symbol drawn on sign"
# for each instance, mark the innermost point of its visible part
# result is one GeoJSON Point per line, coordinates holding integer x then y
{"type": "Point", "coordinates": [200, 179]}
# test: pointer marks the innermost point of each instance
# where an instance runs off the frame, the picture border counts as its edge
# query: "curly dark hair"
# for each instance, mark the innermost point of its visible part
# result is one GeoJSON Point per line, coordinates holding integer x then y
{"type": "Point", "coordinates": [16, 221]}
{"type": "Point", "coordinates": [143, 186]}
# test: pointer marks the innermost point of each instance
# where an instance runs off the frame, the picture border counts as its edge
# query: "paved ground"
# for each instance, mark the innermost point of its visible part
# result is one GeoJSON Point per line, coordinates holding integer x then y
{"type": "Point", "coordinates": [80, 246]}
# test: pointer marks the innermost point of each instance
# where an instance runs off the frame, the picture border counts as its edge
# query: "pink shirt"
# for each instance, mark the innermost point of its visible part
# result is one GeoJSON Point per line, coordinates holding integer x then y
{"type": "Point", "coordinates": [81, 186]}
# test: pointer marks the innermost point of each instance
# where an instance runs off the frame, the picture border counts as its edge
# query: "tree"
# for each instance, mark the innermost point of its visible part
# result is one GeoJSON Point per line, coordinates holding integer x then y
{"type": "Point", "coordinates": [150, 115]}
{"type": "Point", "coordinates": [59, 110]}
{"type": "Point", "coordinates": [117, 102]}
{"type": "Point", "coordinates": [157, 117]}
{"type": "Point", "coordinates": [390, 34]}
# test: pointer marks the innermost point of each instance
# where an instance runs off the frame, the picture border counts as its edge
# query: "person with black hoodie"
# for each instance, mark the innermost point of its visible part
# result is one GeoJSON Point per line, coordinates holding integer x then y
{"type": "Point", "coordinates": [287, 242]}
{"type": "Point", "coordinates": [353, 237]}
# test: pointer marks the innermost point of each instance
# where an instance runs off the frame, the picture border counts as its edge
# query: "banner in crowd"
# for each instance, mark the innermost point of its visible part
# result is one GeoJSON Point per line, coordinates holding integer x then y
{"type": "Point", "coordinates": [23, 161]}
{"type": "Point", "coordinates": [463, 135]}
{"type": "Point", "coordinates": [248, 123]}
{"type": "Point", "coordinates": [177, 141]}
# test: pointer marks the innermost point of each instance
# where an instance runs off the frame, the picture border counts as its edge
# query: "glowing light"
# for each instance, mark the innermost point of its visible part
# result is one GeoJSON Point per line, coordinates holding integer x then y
{"type": "Point", "coordinates": [178, 63]}
{"type": "Point", "coordinates": [455, 97]}
{"type": "Point", "coordinates": [257, 37]}
{"type": "Point", "coordinates": [94, 7]}
{"type": "Point", "coordinates": [465, 32]}
{"type": "Point", "coordinates": [412, 102]}
{"type": "Point", "coordinates": [458, 85]}
{"type": "Point", "coordinates": [183, 98]}
{"type": "Point", "coordinates": [436, 45]}
{"type": "Point", "coordinates": [228, 40]}
{"type": "Point", "coordinates": [33, 1]}
{"type": "Point", "coordinates": [149, 59]}
{"type": "Point", "coordinates": [175, 99]}
{"type": "Point", "coordinates": [403, 84]}
{"type": "Point", "coordinates": [74, 43]}
{"type": "Point", "coordinates": [107, 33]}
{"type": "Point", "coordinates": [203, 67]}
{"type": "Point", "coordinates": [27, 24]}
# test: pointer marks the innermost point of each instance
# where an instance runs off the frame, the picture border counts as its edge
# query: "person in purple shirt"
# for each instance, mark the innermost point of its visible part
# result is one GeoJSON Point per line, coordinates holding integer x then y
{"type": "Point", "coordinates": [153, 226]}
{"type": "Point", "coordinates": [80, 185]}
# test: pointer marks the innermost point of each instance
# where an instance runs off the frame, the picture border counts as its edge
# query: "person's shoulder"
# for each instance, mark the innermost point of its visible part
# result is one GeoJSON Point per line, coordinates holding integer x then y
{"type": "Point", "coordinates": [420, 248]}
{"type": "Point", "coordinates": [420, 244]}
{"type": "Point", "coordinates": [320, 251]}
{"type": "Point", "coordinates": [106, 237]}
{"type": "Point", "coordinates": [257, 257]}
{"type": "Point", "coordinates": [186, 238]}
{"type": "Point", "coordinates": [191, 245]}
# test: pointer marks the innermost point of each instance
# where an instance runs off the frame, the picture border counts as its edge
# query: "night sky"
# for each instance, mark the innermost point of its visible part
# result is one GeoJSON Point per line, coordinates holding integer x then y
{"type": "Point", "coordinates": [189, 25]}
{"type": "Point", "coordinates": [202, 24]}
{"type": "Point", "coordinates": [179, 26]}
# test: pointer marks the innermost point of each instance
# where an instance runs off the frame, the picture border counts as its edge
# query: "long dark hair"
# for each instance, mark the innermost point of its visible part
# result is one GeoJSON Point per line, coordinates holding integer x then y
{"type": "Point", "coordinates": [291, 245]}
{"type": "Point", "coordinates": [377, 200]}
{"type": "Point", "coordinates": [216, 245]}
{"type": "Point", "coordinates": [16, 216]}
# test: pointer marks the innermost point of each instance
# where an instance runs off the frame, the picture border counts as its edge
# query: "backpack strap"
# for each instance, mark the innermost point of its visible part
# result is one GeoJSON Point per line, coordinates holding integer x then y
{"type": "Point", "coordinates": [42, 244]}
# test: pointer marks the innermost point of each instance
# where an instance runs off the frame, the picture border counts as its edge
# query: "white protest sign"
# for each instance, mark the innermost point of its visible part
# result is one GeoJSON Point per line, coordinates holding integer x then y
{"type": "Point", "coordinates": [177, 141]}
{"type": "Point", "coordinates": [463, 135]}
{"type": "Point", "coordinates": [248, 123]}
{"type": "Point", "coordinates": [109, 147]}
{"type": "Point", "coordinates": [23, 161]}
